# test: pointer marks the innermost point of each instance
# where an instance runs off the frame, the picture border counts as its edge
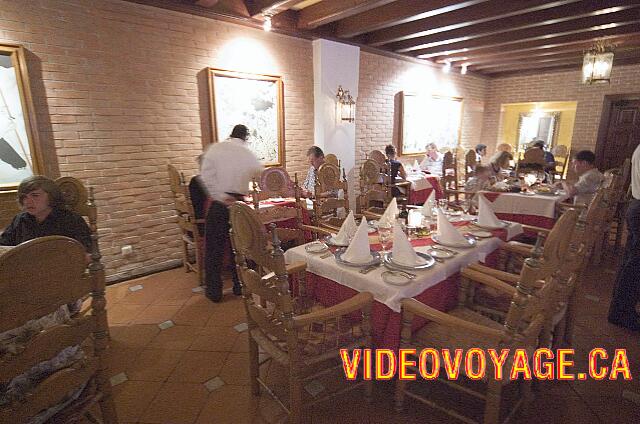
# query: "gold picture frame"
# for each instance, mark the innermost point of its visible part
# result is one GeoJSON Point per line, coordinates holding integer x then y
{"type": "Point", "coordinates": [254, 100]}
{"type": "Point", "coordinates": [20, 150]}
{"type": "Point", "coordinates": [446, 134]}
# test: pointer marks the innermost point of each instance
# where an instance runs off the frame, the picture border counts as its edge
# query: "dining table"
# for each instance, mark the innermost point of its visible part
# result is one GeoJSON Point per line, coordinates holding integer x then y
{"type": "Point", "coordinates": [330, 282]}
{"type": "Point", "coordinates": [421, 187]}
{"type": "Point", "coordinates": [529, 208]}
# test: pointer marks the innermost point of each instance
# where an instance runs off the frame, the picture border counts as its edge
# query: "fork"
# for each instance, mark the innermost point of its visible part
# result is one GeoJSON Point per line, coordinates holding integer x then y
{"type": "Point", "coordinates": [444, 249]}
{"type": "Point", "coordinates": [369, 268]}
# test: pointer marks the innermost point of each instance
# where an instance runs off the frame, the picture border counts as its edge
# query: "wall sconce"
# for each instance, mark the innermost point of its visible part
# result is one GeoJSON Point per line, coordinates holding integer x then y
{"type": "Point", "coordinates": [267, 23]}
{"type": "Point", "coordinates": [597, 64]}
{"type": "Point", "coordinates": [345, 105]}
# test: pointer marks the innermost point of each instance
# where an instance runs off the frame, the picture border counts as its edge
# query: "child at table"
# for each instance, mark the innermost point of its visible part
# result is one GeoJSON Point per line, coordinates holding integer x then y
{"type": "Point", "coordinates": [478, 182]}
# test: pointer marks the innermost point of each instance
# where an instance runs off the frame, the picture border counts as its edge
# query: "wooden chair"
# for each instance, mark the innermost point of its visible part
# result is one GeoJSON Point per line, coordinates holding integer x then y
{"type": "Point", "coordinates": [532, 161]}
{"type": "Point", "coordinates": [332, 159]}
{"type": "Point", "coordinates": [326, 203]}
{"type": "Point", "coordinates": [464, 328]}
{"type": "Point", "coordinates": [274, 182]}
{"type": "Point", "coordinates": [562, 156]}
{"type": "Point", "coordinates": [188, 224]}
{"type": "Point", "coordinates": [305, 343]}
{"type": "Point", "coordinates": [504, 147]}
{"type": "Point", "coordinates": [470, 164]}
{"type": "Point", "coordinates": [378, 156]}
{"type": "Point", "coordinates": [38, 278]}
{"type": "Point", "coordinates": [75, 195]}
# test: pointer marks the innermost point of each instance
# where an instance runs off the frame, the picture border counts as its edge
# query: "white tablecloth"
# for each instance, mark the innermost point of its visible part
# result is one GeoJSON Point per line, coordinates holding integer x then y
{"type": "Point", "coordinates": [419, 181]}
{"type": "Point", "coordinates": [516, 203]}
{"type": "Point", "coordinates": [388, 294]}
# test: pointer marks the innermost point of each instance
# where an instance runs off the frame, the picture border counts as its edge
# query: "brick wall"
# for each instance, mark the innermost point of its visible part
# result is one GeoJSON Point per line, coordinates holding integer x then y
{"type": "Point", "coordinates": [558, 86]}
{"type": "Point", "coordinates": [120, 92]}
{"type": "Point", "coordinates": [382, 78]}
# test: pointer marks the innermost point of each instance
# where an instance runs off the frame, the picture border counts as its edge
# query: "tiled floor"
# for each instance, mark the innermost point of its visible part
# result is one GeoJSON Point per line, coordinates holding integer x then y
{"type": "Point", "coordinates": [167, 369]}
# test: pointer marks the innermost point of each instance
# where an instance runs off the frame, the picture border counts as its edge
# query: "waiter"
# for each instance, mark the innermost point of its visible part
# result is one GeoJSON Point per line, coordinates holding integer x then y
{"type": "Point", "coordinates": [626, 293]}
{"type": "Point", "coordinates": [227, 169]}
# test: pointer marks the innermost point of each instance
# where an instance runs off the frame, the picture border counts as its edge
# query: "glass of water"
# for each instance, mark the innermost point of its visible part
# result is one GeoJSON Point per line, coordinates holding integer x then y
{"type": "Point", "coordinates": [385, 235]}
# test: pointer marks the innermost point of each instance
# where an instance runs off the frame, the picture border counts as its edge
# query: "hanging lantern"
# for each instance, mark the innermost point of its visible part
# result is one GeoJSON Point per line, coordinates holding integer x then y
{"type": "Point", "coordinates": [597, 64]}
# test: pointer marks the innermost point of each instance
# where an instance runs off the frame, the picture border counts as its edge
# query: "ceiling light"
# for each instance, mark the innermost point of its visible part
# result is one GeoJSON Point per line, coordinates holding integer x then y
{"type": "Point", "coordinates": [463, 69]}
{"type": "Point", "coordinates": [447, 67]}
{"type": "Point", "coordinates": [597, 64]}
{"type": "Point", "coordinates": [267, 23]}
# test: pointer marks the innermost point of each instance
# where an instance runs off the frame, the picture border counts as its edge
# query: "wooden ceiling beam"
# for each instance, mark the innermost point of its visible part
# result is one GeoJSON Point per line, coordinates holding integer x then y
{"type": "Point", "coordinates": [398, 12]}
{"type": "Point", "coordinates": [557, 68]}
{"type": "Point", "coordinates": [330, 11]}
{"type": "Point", "coordinates": [571, 64]}
{"type": "Point", "coordinates": [583, 25]}
{"type": "Point", "coordinates": [543, 20]}
{"type": "Point", "coordinates": [537, 49]}
{"type": "Point", "coordinates": [573, 56]}
{"type": "Point", "coordinates": [577, 35]}
{"type": "Point", "coordinates": [472, 15]}
{"type": "Point", "coordinates": [258, 8]}
{"type": "Point", "coordinates": [207, 3]}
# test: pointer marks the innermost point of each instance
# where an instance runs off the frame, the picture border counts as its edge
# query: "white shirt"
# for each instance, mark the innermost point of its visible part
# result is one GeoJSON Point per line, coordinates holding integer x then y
{"type": "Point", "coordinates": [635, 173]}
{"type": "Point", "coordinates": [229, 167]}
{"type": "Point", "coordinates": [433, 166]}
{"type": "Point", "coordinates": [587, 185]}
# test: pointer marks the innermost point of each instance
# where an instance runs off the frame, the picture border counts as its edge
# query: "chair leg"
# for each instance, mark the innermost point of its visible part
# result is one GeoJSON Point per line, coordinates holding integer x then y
{"type": "Point", "coordinates": [185, 256]}
{"type": "Point", "coordinates": [254, 366]}
{"type": "Point", "coordinates": [492, 405]}
{"type": "Point", "coordinates": [401, 386]}
{"type": "Point", "coordinates": [295, 395]}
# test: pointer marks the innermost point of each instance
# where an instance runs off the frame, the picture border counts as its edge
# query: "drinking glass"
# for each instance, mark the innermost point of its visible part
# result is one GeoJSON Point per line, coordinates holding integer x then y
{"type": "Point", "coordinates": [385, 236]}
{"type": "Point", "coordinates": [442, 204]}
{"type": "Point", "coordinates": [465, 205]}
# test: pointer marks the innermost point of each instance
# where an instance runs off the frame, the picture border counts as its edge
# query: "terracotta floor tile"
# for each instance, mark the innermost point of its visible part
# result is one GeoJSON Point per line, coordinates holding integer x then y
{"type": "Point", "coordinates": [155, 314]}
{"type": "Point", "coordinates": [228, 313]}
{"type": "Point", "coordinates": [146, 296]}
{"type": "Point", "coordinates": [118, 358]}
{"type": "Point", "coordinates": [154, 364]}
{"type": "Point", "coordinates": [236, 369]}
{"type": "Point", "coordinates": [179, 337]}
{"type": "Point", "coordinates": [124, 314]}
{"type": "Point", "coordinates": [215, 339]}
{"type": "Point", "coordinates": [174, 296]}
{"type": "Point", "coordinates": [133, 397]}
{"type": "Point", "coordinates": [193, 315]}
{"type": "Point", "coordinates": [176, 403]}
{"type": "Point", "coordinates": [242, 343]}
{"type": "Point", "coordinates": [133, 335]}
{"type": "Point", "coordinates": [229, 404]}
{"type": "Point", "coordinates": [198, 367]}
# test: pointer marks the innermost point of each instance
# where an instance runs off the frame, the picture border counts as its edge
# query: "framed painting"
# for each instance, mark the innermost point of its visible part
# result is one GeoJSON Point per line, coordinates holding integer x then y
{"type": "Point", "coordinates": [19, 148]}
{"type": "Point", "coordinates": [252, 100]}
{"type": "Point", "coordinates": [428, 119]}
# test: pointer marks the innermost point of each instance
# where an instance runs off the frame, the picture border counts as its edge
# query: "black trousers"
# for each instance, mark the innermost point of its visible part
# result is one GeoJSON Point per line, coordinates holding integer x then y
{"type": "Point", "coordinates": [217, 242]}
{"type": "Point", "coordinates": [626, 293]}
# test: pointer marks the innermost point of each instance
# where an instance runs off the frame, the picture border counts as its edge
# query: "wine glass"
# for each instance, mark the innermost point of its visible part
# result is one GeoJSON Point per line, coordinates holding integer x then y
{"type": "Point", "coordinates": [385, 236]}
{"type": "Point", "coordinates": [465, 205]}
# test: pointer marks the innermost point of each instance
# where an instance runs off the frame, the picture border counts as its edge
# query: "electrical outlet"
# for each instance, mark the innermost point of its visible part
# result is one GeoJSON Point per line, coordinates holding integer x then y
{"type": "Point", "coordinates": [127, 250]}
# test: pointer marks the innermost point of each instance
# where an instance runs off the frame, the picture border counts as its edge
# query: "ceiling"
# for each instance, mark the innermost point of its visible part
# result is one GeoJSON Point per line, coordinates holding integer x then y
{"type": "Point", "coordinates": [491, 37]}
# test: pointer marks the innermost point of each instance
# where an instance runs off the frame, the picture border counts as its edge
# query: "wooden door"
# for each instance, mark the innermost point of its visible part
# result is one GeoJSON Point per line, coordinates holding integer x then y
{"type": "Point", "coordinates": [622, 135]}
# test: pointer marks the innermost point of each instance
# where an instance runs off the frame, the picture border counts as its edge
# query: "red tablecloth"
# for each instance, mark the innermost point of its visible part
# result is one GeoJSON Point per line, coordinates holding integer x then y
{"type": "Point", "coordinates": [385, 322]}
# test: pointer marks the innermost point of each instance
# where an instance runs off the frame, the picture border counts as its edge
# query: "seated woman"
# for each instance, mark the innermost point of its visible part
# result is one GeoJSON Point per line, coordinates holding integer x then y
{"type": "Point", "coordinates": [432, 162]}
{"type": "Point", "coordinates": [396, 169]}
{"type": "Point", "coordinates": [500, 163]}
{"type": "Point", "coordinates": [44, 214]}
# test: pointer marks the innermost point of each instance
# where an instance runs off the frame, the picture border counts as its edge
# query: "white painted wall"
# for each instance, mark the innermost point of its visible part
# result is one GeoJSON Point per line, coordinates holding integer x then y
{"type": "Point", "coordinates": [335, 64]}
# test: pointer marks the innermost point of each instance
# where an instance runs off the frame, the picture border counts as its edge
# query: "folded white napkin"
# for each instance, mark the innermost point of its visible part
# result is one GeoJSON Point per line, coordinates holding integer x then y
{"type": "Point", "coordinates": [429, 204]}
{"type": "Point", "coordinates": [347, 230]}
{"type": "Point", "coordinates": [403, 253]}
{"type": "Point", "coordinates": [358, 251]}
{"type": "Point", "coordinates": [486, 217]}
{"type": "Point", "coordinates": [416, 165]}
{"type": "Point", "coordinates": [388, 218]}
{"type": "Point", "coordinates": [447, 233]}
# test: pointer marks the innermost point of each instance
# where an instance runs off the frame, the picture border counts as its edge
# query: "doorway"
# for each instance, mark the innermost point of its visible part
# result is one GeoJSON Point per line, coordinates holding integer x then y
{"type": "Point", "coordinates": [619, 133]}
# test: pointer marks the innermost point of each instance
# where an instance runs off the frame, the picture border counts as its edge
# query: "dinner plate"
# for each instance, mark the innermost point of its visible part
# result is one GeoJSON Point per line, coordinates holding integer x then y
{"type": "Point", "coordinates": [332, 242]}
{"type": "Point", "coordinates": [278, 199]}
{"type": "Point", "coordinates": [395, 278]}
{"type": "Point", "coordinates": [471, 242]}
{"type": "Point", "coordinates": [387, 258]}
{"type": "Point", "coordinates": [546, 193]}
{"type": "Point", "coordinates": [527, 193]}
{"type": "Point", "coordinates": [440, 254]}
{"type": "Point", "coordinates": [503, 224]}
{"type": "Point", "coordinates": [481, 234]}
{"type": "Point", "coordinates": [316, 247]}
{"type": "Point", "coordinates": [375, 259]}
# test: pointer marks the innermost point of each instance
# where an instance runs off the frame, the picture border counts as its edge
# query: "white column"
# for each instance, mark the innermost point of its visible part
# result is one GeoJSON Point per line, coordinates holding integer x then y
{"type": "Point", "coordinates": [335, 64]}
